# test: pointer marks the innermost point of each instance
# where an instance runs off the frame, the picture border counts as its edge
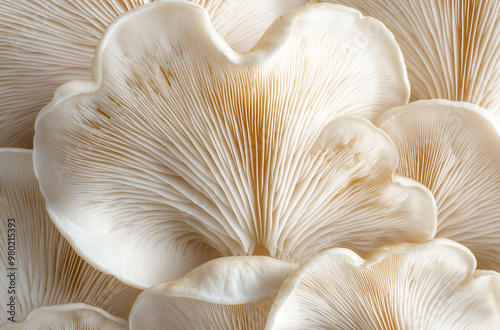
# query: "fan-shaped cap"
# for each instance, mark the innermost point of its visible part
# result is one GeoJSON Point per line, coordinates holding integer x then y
{"type": "Point", "coordinates": [453, 148]}
{"type": "Point", "coordinates": [69, 317]}
{"type": "Point", "coordinates": [225, 293]}
{"type": "Point", "coordinates": [184, 150]}
{"type": "Point", "coordinates": [451, 48]}
{"type": "Point", "coordinates": [403, 286]}
{"type": "Point", "coordinates": [44, 44]}
{"type": "Point", "coordinates": [40, 268]}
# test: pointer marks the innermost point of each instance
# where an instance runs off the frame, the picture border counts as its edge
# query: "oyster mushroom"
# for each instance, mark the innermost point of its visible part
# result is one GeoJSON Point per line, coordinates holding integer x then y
{"type": "Point", "coordinates": [403, 286]}
{"type": "Point", "coordinates": [44, 44]}
{"type": "Point", "coordinates": [225, 293]}
{"type": "Point", "coordinates": [453, 148]}
{"type": "Point", "coordinates": [41, 268]}
{"type": "Point", "coordinates": [69, 317]}
{"type": "Point", "coordinates": [451, 48]}
{"type": "Point", "coordinates": [183, 150]}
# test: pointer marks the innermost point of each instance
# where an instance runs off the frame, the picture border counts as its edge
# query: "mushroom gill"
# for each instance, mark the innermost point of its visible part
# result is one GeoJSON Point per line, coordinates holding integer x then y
{"type": "Point", "coordinates": [403, 286]}
{"type": "Point", "coordinates": [182, 150]}
{"type": "Point", "coordinates": [44, 269]}
{"type": "Point", "coordinates": [44, 44]}
{"type": "Point", "coordinates": [451, 47]}
{"type": "Point", "coordinates": [453, 148]}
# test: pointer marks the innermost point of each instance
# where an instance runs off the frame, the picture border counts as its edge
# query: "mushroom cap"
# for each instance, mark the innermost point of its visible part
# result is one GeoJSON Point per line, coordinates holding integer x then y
{"type": "Point", "coordinates": [44, 44]}
{"type": "Point", "coordinates": [182, 149]}
{"type": "Point", "coordinates": [224, 293]}
{"type": "Point", "coordinates": [68, 317]}
{"type": "Point", "coordinates": [451, 48]}
{"type": "Point", "coordinates": [402, 286]}
{"type": "Point", "coordinates": [453, 148]}
{"type": "Point", "coordinates": [47, 271]}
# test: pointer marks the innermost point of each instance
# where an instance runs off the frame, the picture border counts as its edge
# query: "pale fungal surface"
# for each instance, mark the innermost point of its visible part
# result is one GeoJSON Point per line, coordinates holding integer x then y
{"type": "Point", "coordinates": [183, 150]}
{"type": "Point", "coordinates": [451, 47]}
{"type": "Point", "coordinates": [44, 44]}
{"type": "Point", "coordinates": [69, 317]}
{"type": "Point", "coordinates": [225, 293]}
{"type": "Point", "coordinates": [404, 286]}
{"type": "Point", "coordinates": [42, 269]}
{"type": "Point", "coordinates": [453, 148]}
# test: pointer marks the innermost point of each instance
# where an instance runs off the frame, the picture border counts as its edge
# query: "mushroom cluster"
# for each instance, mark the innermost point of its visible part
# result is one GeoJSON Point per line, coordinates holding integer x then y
{"type": "Point", "coordinates": [230, 164]}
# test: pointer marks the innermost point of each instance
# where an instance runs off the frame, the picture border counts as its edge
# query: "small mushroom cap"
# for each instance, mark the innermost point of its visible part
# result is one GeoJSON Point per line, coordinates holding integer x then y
{"type": "Point", "coordinates": [44, 44]}
{"type": "Point", "coordinates": [225, 293]}
{"type": "Point", "coordinates": [68, 317]}
{"type": "Point", "coordinates": [402, 286]}
{"type": "Point", "coordinates": [185, 150]}
{"type": "Point", "coordinates": [44, 269]}
{"type": "Point", "coordinates": [453, 148]}
{"type": "Point", "coordinates": [451, 48]}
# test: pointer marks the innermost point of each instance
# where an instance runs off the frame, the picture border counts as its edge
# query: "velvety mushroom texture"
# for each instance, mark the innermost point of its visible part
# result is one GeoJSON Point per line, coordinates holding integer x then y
{"type": "Point", "coordinates": [404, 286]}
{"type": "Point", "coordinates": [453, 148]}
{"type": "Point", "coordinates": [451, 47]}
{"type": "Point", "coordinates": [46, 43]}
{"type": "Point", "coordinates": [225, 293]}
{"type": "Point", "coordinates": [183, 150]}
{"type": "Point", "coordinates": [69, 317]}
{"type": "Point", "coordinates": [44, 270]}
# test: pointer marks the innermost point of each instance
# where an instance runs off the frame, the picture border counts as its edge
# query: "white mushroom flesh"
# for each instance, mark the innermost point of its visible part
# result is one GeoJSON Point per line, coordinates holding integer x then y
{"type": "Point", "coordinates": [43, 269]}
{"type": "Point", "coordinates": [68, 317]}
{"type": "Point", "coordinates": [429, 286]}
{"type": "Point", "coordinates": [44, 44]}
{"type": "Point", "coordinates": [225, 293]}
{"type": "Point", "coordinates": [184, 150]}
{"type": "Point", "coordinates": [453, 148]}
{"type": "Point", "coordinates": [451, 47]}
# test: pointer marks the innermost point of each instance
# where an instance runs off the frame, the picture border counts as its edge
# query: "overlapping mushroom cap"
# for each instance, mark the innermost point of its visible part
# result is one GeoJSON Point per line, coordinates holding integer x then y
{"type": "Point", "coordinates": [182, 149]}
{"type": "Point", "coordinates": [451, 48]}
{"type": "Point", "coordinates": [69, 317]}
{"type": "Point", "coordinates": [453, 148]}
{"type": "Point", "coordinates": [404, 286]}
{"type": "Point", "coordinates": [42, 269]}
{"type": "Point", "coordinates": [225, 293]}
{"type": "Point", "coordinates": [46, 43]}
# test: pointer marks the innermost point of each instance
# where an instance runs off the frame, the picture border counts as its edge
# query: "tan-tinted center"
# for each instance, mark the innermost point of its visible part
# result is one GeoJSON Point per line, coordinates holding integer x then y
{"type": "Point", "coordinates": [261, 250]}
